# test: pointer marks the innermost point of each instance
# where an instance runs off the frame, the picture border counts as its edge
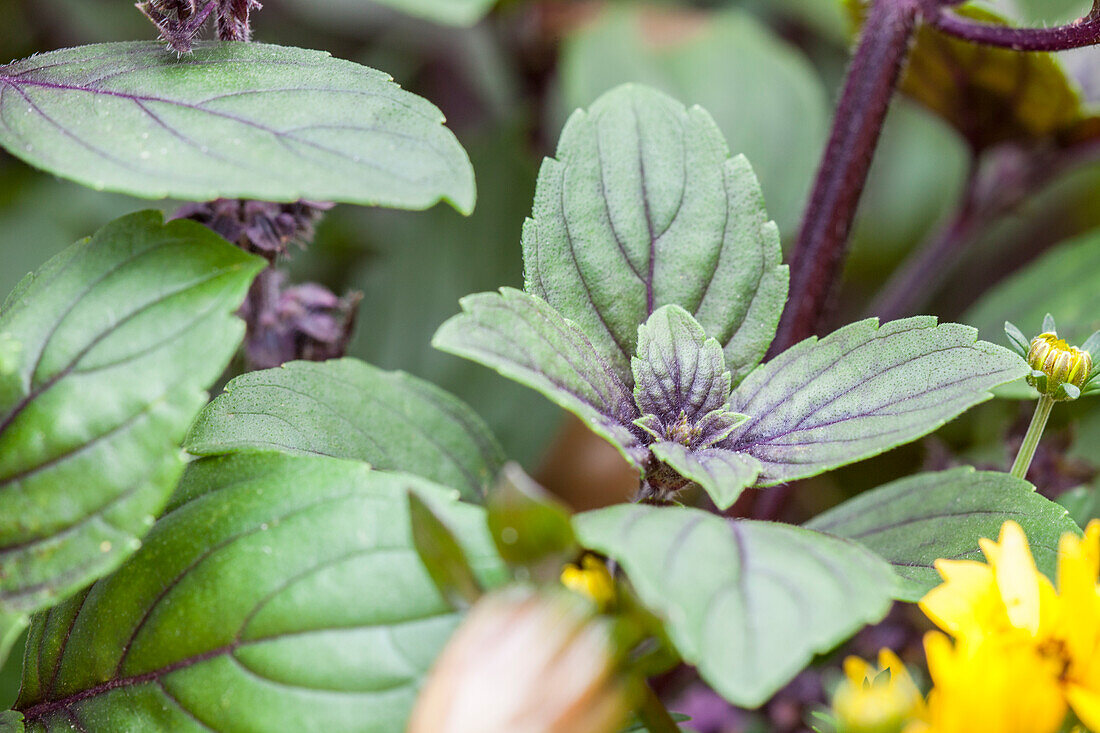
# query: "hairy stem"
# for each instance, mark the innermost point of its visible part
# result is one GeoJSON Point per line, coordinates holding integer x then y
{"type": "Point", "coordinates": [653, 713]}
{"type": "Point", "coordinates": [1031, 440]}
{"type": "Point", "coordinates": [822, 243]}
{"type": "Point", "coordinates": [1084, 32]}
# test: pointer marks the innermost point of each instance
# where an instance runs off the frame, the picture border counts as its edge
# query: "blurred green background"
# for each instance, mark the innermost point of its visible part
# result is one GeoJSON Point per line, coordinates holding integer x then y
{"type": "Point", "coordinates": [769, 72]}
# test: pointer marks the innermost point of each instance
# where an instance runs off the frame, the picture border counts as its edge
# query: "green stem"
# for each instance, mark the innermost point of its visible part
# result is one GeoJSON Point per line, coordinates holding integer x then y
{"type": "Point", "coordinates": [1031, 440]}
{"type": "Point", "coordinates": [654, 714]}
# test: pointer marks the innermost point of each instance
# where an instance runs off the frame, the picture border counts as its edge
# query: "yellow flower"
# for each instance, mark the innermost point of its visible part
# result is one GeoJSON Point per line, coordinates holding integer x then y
{"type": "Point", "coordinates": [1023, 652]}
{"type": "Point", "coordinates": [877, 700]}
{"type": "Point", "coordinates": [592, 580]}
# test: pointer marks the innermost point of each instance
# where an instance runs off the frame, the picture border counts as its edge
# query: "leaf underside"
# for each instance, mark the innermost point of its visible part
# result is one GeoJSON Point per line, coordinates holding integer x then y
{"type": "Point", "coordinates": [234, 120]}
{"type": "Point", "coordinates": [348, 409]}
{"type": "Point", "coordinates": [525, 339]}
{"type": "Point", "coordinates": [115, 341]}
{"type": "Point", "coordinates": [915, 521]}
{"type": "Point", "coordinates": [285, 594]}
{"type": "Point", "coordinates": [748, 603]}
{"type": "Point", "coordinates": [860, 391]}
{"type": "Point", "coordinates": [643, 207]}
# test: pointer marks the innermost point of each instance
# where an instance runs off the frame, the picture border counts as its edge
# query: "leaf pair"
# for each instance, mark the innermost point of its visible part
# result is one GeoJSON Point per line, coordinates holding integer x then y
{"type": "Point", "coordinates": [104, 357]}
{"type": "Point", "coordinates": [646, 240]}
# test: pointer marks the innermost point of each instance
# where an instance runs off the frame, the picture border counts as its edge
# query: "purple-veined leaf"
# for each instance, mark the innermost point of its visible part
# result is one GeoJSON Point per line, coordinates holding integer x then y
{"type": "Point", "coordinates": [643, 207]}
{"type": "Point", "coordinates": [748, 603]}
{"type": "Point", "coordinates": [235, 120]}
{"type": "Point", "coordinates": [860, 391]}
{"type": "Point", "coordinates": [525, 339]}
{"type": "Point", "coordinates": [278, 593]}
{"type": "Point", "coordinates": [722, 473]}
{"type": "Point", "coordinates": [917, 520]}
{"type": "Point", "coordinates": [110, 348]}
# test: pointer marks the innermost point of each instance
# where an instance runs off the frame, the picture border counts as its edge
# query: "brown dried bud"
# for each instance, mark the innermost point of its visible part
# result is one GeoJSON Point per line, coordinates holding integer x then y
{"type": "Point", "coordinates": [526, 661]}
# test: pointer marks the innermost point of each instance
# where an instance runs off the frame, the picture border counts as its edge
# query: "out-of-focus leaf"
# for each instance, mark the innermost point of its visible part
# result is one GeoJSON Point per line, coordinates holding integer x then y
{"type": "Point", "coordinates": [764, 94]}
{"type": "Point", "coordinates": [348, 409]}
{"type": "Point", "coordinates": [1082, 503]}
{"type": "Point", "coordinates": [1061, 282]}
{"type": "Point", "coordinates": [442, 555]}
{"type": "Point", "coordinates": [523, 338]}
{"type": "Point", "coordinates": [449, 12]}
{"type": "Point", "coordinates": [231, 120]}
{"type": "Point", "coordinates": [285, 594]}
{"type": "Point", "coordinates": [531, 528]}
{"type": "Point", "coordinates": [11, 722]}
{"type": "Point", "coordinates": [1086, 444]}
{"type": "Point", "coordinates": [413, 270]}
{"type": "Point", "coordinates": [913, 522]}
{"type": "Point", "coordinates": [860, 391]}
{"type": "Point", "coordinates": [990, 95]}
{"type": "Point", "coordinates": [452, 12]}
{"type": "Point", "coordinates": [748, 603]}
{"type": "Point", "coordinates": [105, 353]}
{"type": "Point", "coordinates": [643, 207]}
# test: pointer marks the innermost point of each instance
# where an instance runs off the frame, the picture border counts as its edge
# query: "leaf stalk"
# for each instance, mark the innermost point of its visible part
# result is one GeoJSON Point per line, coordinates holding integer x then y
{"type": "Point", "coordinates": [1031, 439]}
{"type": "Point", "coordinates": [1080, 33]}
{"type": "Point", "coordinates": [653, 713]}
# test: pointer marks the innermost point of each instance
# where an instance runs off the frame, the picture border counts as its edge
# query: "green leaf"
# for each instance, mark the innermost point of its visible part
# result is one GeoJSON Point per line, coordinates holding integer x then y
{"type": "Point", "coordinates": [531, 528]}
{"type": "Point", "coordinates": [642, 208]}
{"type": "Point", "coordinates": [769, 100]}
{"type": "Point", "coordinates": [285, 594]}
{"type": "Point", "coordinates": [679, 373]}
{"type": "Point", "coordinates": [347, 409]}
{"type": "Point", "coordinates": [723, 474]}
{"type": "Point", "coordinates": [1059, 282]}
{"type": "Point", "coordinates": [525, 339]}
{"type": "Point", "coordinates": [748, 603]}
{"type": "Point", "coordinates": [917, 520]}
{"type": "Point", "coordinates": [442, 555]}
{"type": "Point", "coordinates": [1082, 503]}
{"type": "Point", "coordinates": [990, 95]}
{"type": "Point", "coordinates": [11, 722]}
{"type": "Point", "coordinates": [451, 12]}
{"type": "Point", "coordinates": [118, 337]}
{"type": "Point", "coordinates": [231, 120]}
{"type": "Point", "coordinates": [860, 391]}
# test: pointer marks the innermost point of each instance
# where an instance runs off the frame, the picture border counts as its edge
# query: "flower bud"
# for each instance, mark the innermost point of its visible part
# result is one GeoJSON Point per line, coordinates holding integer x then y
{"type": "Point", "coordinates": [1060, 364]}
{"type": "Point", "coordinates": [592, 580]}
{"type": "Point", "coordinates": [883, 700]}
{"type": "Point", "coordinates": [526, 661]}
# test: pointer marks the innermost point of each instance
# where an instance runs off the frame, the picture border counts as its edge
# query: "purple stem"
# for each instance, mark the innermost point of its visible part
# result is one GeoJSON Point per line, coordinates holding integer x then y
{"type": "Point", "coordinates": [871, 80]}
{"type": "Point", "coordinates": [1084, 32]}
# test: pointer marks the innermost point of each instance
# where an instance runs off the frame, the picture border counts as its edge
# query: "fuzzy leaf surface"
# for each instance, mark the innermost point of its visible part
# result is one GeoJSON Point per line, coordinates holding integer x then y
{"type": "Point", "coordinates": [233, 120]}
{"type": "Point", "coordinates": [862, 390]}
{"type": "Point", "coordinates": [348, 409]}
{"type": "Point", "coordinates": [915, 521]}
{"type": "Point", "coordinates": [278, 593]}
{"type": "Point", "coordinates": [643, 207]}
{"type": "Point", "coordinates": [748, 603]}
{"type": "Point", "coordinates": [525, 339]}
{"type": "Point", "coordinates": [110, 347]}
{"type": "Point", "coordinates": [723, 474]}
{"type": "Point", "coordinates": [678, 370]}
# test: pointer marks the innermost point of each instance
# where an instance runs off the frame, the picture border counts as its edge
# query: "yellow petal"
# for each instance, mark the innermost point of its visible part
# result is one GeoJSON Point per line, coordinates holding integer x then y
{"type": "Point", "coordinates": [968, 603]}
{"type": "Point", "coordinates": [1086, 704]}
{"type": "Point", "coordinates": [1017, 577]}
{"type": "Point", "coordinates": [857, 671]}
